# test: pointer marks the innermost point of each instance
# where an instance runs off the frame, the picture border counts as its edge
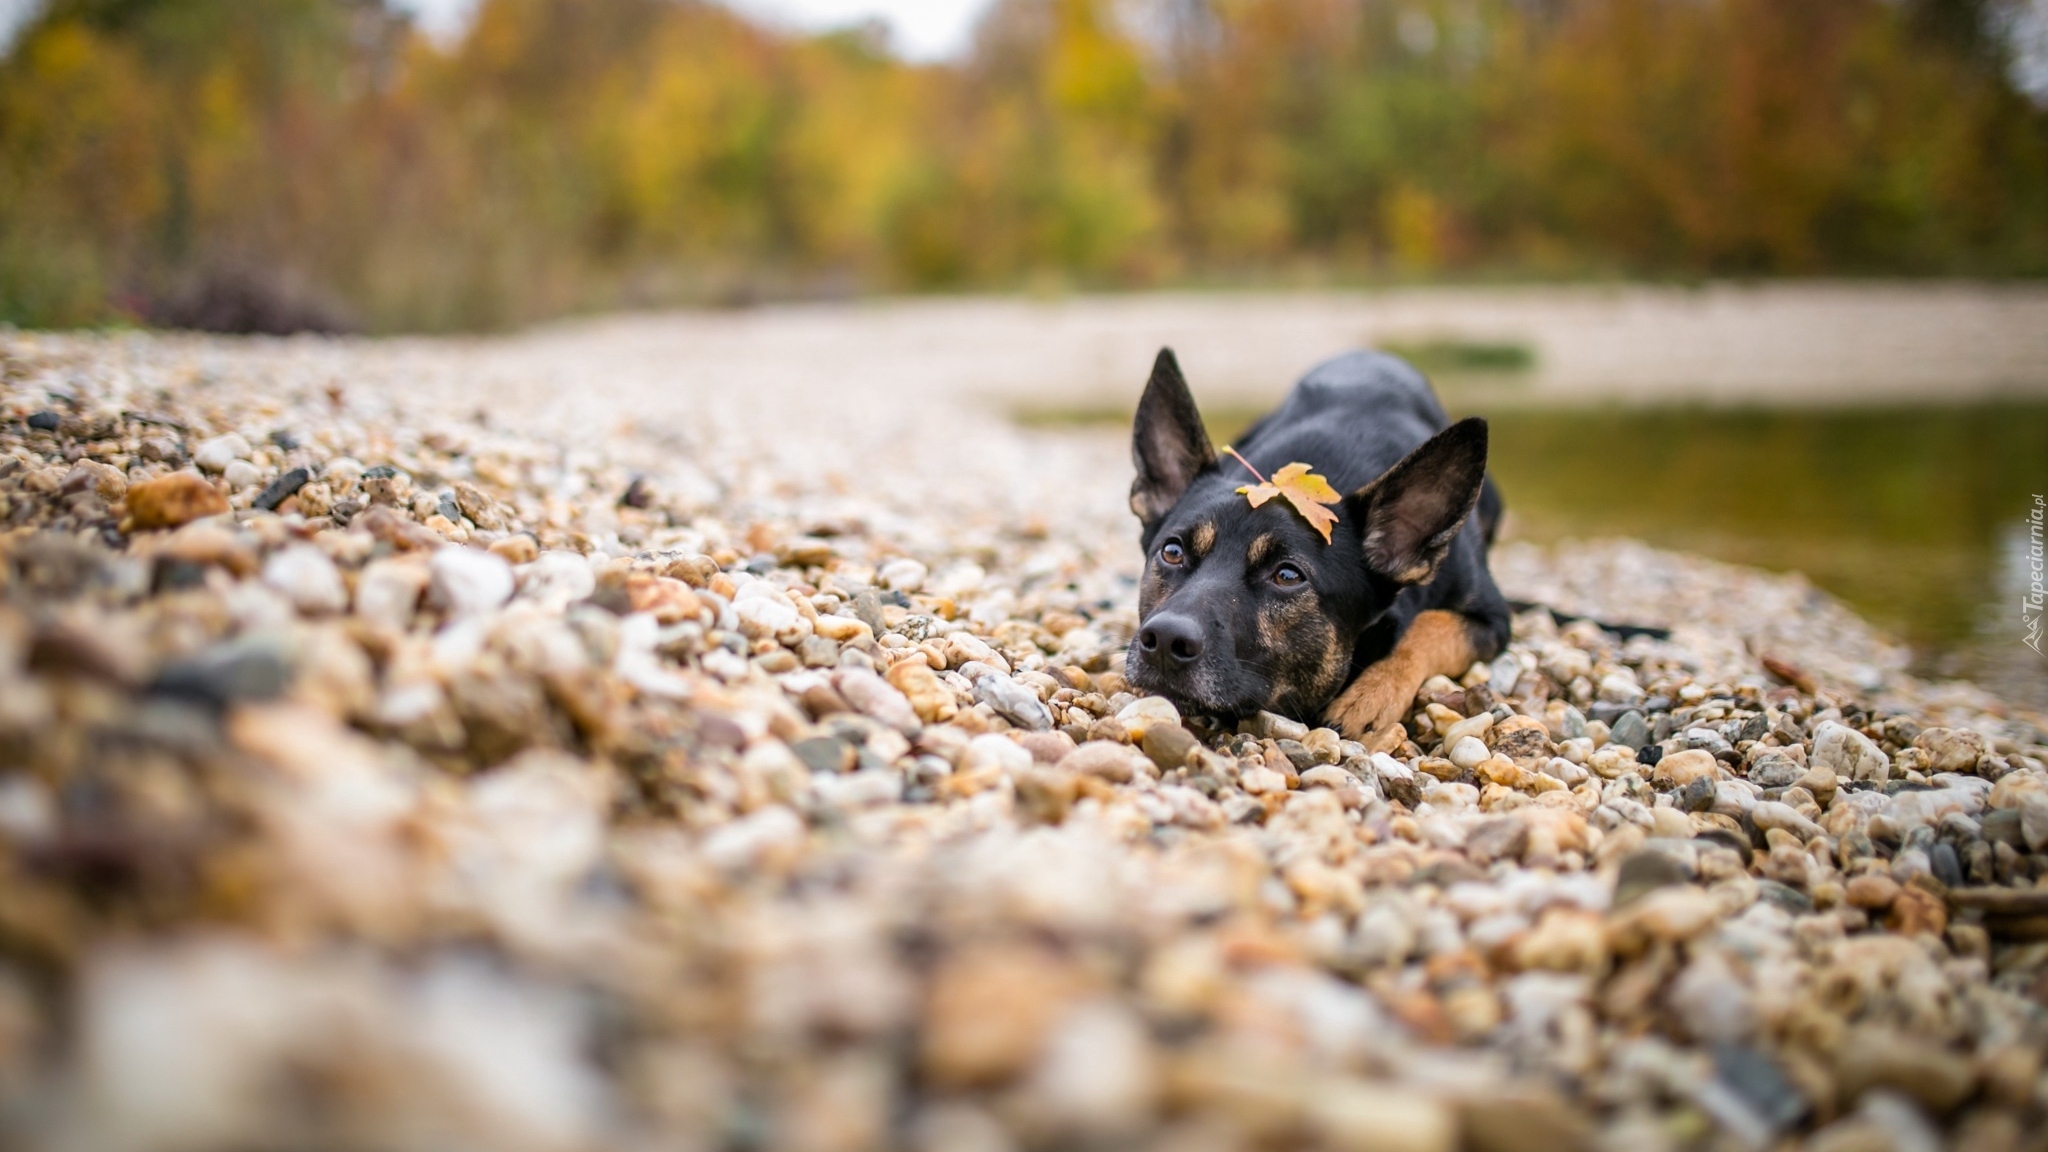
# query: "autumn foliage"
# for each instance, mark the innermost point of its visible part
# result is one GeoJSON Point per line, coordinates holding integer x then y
{"type": "Point", "coordinates": [297, 163]}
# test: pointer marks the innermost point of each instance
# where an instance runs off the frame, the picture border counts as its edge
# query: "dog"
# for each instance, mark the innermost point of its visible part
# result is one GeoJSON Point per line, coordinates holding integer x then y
{"type": "Point", "coordinates": [1245, 608]}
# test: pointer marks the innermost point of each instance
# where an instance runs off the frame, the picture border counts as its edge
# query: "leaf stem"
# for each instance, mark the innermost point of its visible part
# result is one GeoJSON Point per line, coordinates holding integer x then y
{"type": "Point", "coordinates": [1247, 464]}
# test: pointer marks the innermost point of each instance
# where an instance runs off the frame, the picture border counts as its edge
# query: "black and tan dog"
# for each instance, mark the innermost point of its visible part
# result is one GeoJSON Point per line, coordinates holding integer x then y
{"type": "Point", "coordinates": [1248, 608]}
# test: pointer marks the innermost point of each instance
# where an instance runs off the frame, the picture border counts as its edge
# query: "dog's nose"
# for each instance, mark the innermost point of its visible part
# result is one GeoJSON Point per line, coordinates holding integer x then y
{"type": "Point", "coordinates": [1178, 638]}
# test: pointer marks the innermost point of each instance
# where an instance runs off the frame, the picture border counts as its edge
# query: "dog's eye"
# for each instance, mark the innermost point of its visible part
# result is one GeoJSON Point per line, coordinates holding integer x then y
{"type": "Point", "coordinates": [1173, 554]}
{"type": "Point", "coordinates": [1288, 576]}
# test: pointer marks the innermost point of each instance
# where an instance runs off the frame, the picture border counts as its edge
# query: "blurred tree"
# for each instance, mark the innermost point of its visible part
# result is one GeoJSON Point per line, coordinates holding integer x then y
{"type": "Point", "coordinates": [314, 162]}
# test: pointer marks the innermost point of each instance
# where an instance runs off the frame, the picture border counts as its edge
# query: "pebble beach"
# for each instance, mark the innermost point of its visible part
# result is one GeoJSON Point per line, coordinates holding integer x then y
{"type": "Point", "coordinates": [496, 744]}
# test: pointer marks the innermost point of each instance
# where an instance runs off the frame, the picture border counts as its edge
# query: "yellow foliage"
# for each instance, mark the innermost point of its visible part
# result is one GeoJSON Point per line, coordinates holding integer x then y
{"type": "Point", "coordinates": [572, 154]}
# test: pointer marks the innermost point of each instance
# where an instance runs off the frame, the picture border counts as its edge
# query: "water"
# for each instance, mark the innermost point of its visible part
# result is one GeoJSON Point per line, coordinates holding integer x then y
{"type": "Point", "coordinates": [1914, 516]}
{"type": "Point", "coordinates": [1917, 517]}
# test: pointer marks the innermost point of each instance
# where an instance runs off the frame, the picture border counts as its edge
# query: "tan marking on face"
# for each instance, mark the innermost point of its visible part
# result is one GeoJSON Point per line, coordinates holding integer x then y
{"type": "Point", "coordinates": [1151, 590]}
{"type": "Point", "coordinates": [1203, 538]}
{"type": "Point", "coordinates": [1303, 650]}
{"type": "Point", "coordinates": [1262, 550]}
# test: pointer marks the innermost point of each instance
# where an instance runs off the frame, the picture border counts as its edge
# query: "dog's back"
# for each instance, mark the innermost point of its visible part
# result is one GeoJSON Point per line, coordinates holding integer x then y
{"type": "Point", "coordinates": [1358, 414]}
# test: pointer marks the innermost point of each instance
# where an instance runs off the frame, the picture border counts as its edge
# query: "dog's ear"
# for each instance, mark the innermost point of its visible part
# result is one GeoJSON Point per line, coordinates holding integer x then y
{"type": "Point", "coordinates": [1409, 516]}
{"type": "Point", "coordinates": [1168, 443]}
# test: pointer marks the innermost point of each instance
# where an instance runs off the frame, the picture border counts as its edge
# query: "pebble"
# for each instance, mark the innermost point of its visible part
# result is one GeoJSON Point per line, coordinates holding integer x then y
{"type": "Point", "coordinates": [1106, 760]}
{"type": "Point", "coordinates": [903, 575]}
{"type": "Point", "coordinates": [1262, 781]}
{"type": "Point", "coordinates": [1013, 702]}
{"type": "Point", "coordinates": [1847, 752]}
{"type": "Point", "coordinates": [927, 695]}
{"type": "Point", "coordinates": [1630, 730]}
{"type": "Point", "coordinates": [554, 580]}
{"type": "Point", "coordinates": [875, 697]}
{"type": "Point", "coordinates": [1872, 1056]}
{"type": "Point", "coordinates": [1871, 890]}
{"type": "Point", "coordinates": [1468, 753]}
{"type": "Point", "coordinates": [767, 616]}
{"type": "Point", "coordinates": [1674, 914]}
{"type": "Point", "coordinates": [308, 579]}
{"type": "Point", "coordinates": [216, 454]}
{"type": "Point", "coordinates": [1272, 726]}
{"type": "Point", "coordinates": [873, 850]}
{"type": "Point", "coordinates": [1170, 745]}
{"type": "Point", "coordinates": [1950, 749]}
{"type": "Point", "coordinates": [281, 489]}
{"type": "Point", "coordinates": [251, 667]}
{"type": "Point", "coordinates": [1770, 814]}
{"type": "Point", "coordinates": [1144, 712]}
{"type": "Point", "coordinates": [1620, 688]}
{"type": "Point", "coordinates": [1680, 769]}
{"type": "Point", "coordinates": [1475, 726]}
{"type": "Point", "coordinates": [173, 500]}
{"type": "Point", "coordinates": [468, 581]}
{"type": "Point", "coordinates": [388, 591]}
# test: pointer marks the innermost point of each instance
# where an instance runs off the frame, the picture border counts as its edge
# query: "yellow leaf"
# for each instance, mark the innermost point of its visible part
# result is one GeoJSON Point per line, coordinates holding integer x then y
{"type": "Point", "coordinates": [1304, 489]}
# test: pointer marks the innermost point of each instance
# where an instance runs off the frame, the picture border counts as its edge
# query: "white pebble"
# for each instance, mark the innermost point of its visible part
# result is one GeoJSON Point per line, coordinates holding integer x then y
{"type": "Point", "coordinates": [557, 579]}
{"type": "Point", "coordinates": [216, 454]}
{"type": "Point", "coordinates": [1620, 688]}
{"type": "Point", "coordinates": [468, 581]}
{"type": "Point", "coordinates": [241, 474]}
{"type": "Point", "coordinates": [903, 575]}
{"type": "Point", "coordinates": [998, 752]}
{"type": "Point", "coordinates": [1847, 752]}
{"type": "Point", "coordinates": [1470, 726]}
{"type": "Point", "coordinates": [307, 578]}
{"type": "Point", "coordinates": [388, 591]}
{"type": "Point", "coordinates": [1144, 712]}
{"type": "Point", "coordinates": [1468, 752]}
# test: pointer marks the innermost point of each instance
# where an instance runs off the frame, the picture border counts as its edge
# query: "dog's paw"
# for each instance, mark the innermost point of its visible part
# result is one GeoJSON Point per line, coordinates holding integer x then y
{"type": "Point", "coordinates": [1378, 698]}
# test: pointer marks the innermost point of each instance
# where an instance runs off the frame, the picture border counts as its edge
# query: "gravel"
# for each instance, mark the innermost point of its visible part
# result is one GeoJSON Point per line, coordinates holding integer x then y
{"type": "Point", "coordinates": [426, 745]}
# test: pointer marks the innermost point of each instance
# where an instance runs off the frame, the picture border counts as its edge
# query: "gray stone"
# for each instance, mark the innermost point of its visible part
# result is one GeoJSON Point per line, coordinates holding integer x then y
{"type": "Point", "coordinates": [1013, 702]}
{"type": "Point", "coordinates": [1946, 863]}
{"type": "Point", "coordinates": [1168, 745]}
{"type": "Point", "coordinates": [867, 608]}
{"type": "Point", "coordinates": [1776, 771]}
{"type": "Point", "coordinates": [281, 489]}
{"type": "Point", "coordinates": [1645, 871]}
{"type": "Point", "coordinates": [251, 667]}
{"type": "Point", "coordinates": [1271, 726]}
{"type": "Point", "coordinates": [1504, 672]}
{"type": "Point", "coordinates": [1698, 796]}
{"type": "Point", "coordinates": [824, 754]}
{"type": "Point", "coordinates": [1630, 730]}
{"type": "Point", "coordinates": [1754, 1079]}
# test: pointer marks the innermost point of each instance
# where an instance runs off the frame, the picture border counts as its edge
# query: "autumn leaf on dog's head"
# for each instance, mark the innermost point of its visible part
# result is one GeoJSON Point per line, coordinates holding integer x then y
{"type": "Point", "coordinates": [1304, 489]}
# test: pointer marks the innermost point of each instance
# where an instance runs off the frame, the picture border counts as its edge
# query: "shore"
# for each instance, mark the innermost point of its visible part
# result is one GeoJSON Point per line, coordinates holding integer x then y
{"type": "Point", "coordinates": [710, 732]}
{"type": "Point", "coordinates": [1773, 344]}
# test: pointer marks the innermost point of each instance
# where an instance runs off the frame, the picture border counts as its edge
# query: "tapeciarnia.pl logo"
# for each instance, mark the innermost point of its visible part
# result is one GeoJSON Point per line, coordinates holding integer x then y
{"type": "Point", "coordinates": [2037, 593]}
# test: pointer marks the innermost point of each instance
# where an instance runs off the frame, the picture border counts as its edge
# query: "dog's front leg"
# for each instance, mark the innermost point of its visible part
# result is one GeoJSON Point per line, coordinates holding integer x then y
{"type": "Point", "coordinates": [1437, 643]}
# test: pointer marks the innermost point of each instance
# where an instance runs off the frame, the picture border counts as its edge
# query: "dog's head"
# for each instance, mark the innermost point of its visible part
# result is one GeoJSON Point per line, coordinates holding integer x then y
{"type": "Point", "coordinates": [1247, 608]}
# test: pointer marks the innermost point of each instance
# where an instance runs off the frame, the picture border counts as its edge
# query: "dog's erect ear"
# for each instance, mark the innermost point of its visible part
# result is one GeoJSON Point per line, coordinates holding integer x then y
{"type": "Point", "coordinates": [1410, 515]}
{"type": "Point", "coordinates": [1168, 444]}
